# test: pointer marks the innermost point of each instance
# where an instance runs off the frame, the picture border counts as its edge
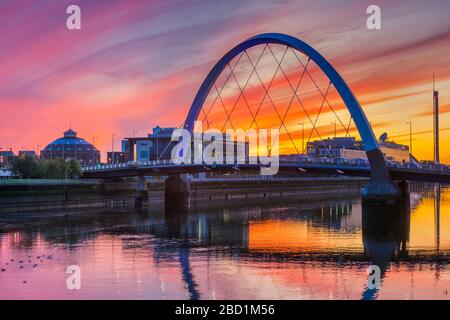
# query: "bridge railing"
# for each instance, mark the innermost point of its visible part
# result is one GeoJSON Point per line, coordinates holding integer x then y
{"type": "Point", "coordinates": [49, 182]}
{"type": "Point", "coordinates": [302, 162]}
{"type": "Point", "coordinates": [129, 164]}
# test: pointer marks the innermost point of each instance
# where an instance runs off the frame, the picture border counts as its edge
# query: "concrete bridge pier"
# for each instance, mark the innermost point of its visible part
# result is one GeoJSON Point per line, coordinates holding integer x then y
{"type": "Point", "coordinates": [176, 192]}
{"type": "Point", "coordinates": [380, 186]}
{"type": "Point", "coordinates": [141, 194]}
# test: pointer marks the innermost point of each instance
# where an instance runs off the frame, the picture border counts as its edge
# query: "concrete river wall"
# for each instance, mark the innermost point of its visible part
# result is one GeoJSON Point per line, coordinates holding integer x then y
{"type": "Point", "coordinates": [212, 192]}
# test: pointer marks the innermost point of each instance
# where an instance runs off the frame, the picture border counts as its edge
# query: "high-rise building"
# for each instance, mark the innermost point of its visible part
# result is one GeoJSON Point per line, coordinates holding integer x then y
{"type": "Point", "coordinates": [152, 147]}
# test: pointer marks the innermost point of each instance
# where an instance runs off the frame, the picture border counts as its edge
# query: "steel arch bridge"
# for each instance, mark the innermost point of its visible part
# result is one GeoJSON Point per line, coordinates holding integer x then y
{"type": "Point", "coordinates": [380, 183]}
{"type": "Point", "coordinates": [381, 177]}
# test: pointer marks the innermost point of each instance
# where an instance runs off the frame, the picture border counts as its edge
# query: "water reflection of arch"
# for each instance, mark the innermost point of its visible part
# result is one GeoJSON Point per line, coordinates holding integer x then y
{"type": "Point", "coordinates": [228, 230]}
{"type": "Point", "coordinates": [385, 236]}
{"type": "Point", "coordinates": [230, 226]}
{"type": "Point", "coordinates": [227, 226]}
{"type": "Point", "coordinates": [222, 231]}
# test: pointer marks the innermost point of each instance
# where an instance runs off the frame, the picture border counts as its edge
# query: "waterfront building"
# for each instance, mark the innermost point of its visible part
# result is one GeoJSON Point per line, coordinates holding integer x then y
{"type": "Point", "coordinates": [157, 146]}
{"type": "Point", "coordinates": [125, 149]}
{"type": "Point", "coordinates": [70, 146]}
{"type": "Point", "coordinates": [116, 157]}
{"type": "Point", "coordinates": [395, 152]}
{"type": "Point", "coordinates": [28, 153]}
{"type": "Point", "coordinates": [152, 147]}
{"type": "Point", "coordinates": [334, 148]}
{"type": "Point", "coordinates": [6, 157]}
{"type": "Point", "coordinates": [349, 148]}
{"type": "Point", "coordinates": [6, 174]}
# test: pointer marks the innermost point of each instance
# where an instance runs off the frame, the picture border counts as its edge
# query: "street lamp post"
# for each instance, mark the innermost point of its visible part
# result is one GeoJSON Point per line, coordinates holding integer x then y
{"type": "Point", "coordinates": [131, 145]}
{"type": "Point", "coordinates": [65, 166]}
{"type": "Point", "coordinates": [335, 132]}
{"type": "Point", "coordinates": [303, 136]}
{"type": "Point", "coordinates": [410, 136]}
{"type": "Point", "coordinates": [157, 146]}
{"type": "Point", "coordinates": [93, 149]}
{"type": "Point", "coordinates": [112, 148]}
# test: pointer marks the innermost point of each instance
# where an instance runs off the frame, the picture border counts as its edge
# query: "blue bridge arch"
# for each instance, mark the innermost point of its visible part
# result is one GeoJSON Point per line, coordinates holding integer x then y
{"type": "Point", "coordinates": [380, 183]}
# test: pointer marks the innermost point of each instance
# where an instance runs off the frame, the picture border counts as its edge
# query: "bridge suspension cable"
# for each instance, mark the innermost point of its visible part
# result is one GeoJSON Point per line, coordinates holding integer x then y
{"type": "Point", "coordinates": [218, 91]}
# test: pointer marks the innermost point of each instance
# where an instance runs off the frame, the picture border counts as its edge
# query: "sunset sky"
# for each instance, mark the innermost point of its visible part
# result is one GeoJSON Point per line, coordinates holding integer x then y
{"type": "Point", "coordinates": [137, 64]}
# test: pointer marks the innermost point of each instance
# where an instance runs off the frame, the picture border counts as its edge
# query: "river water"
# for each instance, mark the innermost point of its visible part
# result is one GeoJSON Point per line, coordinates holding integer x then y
{"type": "Point", "coordinates": [290, 249]}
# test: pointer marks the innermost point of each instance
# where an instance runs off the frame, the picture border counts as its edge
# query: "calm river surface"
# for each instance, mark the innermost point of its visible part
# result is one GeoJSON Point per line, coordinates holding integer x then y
{"type": "Point", "coordinates": [308, 249]}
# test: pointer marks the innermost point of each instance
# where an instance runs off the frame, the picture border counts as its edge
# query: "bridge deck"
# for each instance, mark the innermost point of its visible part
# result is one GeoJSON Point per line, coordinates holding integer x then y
{"type": "Point", "coordinates": [164, 168]}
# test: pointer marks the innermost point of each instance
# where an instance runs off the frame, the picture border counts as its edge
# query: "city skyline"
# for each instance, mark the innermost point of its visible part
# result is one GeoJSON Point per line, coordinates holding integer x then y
{"type": "Point", "coordinates": [257, 150]}
{"type": "Point", "coordinates": [129, 69]}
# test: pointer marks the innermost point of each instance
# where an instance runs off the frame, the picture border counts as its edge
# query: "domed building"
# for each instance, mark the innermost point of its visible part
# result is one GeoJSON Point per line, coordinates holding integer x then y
{"type": "Point", "coordinates": [71, 147]}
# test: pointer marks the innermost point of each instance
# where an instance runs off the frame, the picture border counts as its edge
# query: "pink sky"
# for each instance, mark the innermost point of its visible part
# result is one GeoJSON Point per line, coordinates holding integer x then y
{"type": "Point", "coordinates": [137, 64]}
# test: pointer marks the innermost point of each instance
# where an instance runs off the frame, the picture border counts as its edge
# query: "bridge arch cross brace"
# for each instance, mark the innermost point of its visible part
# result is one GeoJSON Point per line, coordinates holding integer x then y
{"type": "Point", "coordinates": [380, 183]}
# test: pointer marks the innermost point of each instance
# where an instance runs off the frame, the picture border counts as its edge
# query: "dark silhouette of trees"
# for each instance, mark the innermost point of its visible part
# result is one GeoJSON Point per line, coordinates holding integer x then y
{"type": "Point", "coordinates": [28, 167]}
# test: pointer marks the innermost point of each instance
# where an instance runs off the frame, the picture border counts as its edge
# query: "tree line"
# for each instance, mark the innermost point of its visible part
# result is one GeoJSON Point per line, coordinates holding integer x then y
{"type": "Point", "coordinates": [29, 168]}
